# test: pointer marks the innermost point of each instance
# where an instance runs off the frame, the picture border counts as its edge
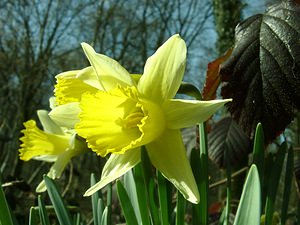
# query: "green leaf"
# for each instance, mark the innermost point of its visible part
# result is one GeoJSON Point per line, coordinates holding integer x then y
{"type": "Point", "coordinates": [196, 208]}
{"type": "Point", "coordinates": [57, 201]}
{"type": "Point", "coordinates": [104, 217]}
{"type": "Point", "coordinates": [180, 209]}
{"type": "Point", "coordinates": [190, 90]}
{"type": "Point", "coordinates": [142, 194]}
{"type": "Point", "coordinates": [100, 210]}
{"type": "Point", "coordinates": [273, 183]}
{"type": "Point", "coordinates": [77, 219]}
{"type": "Point", "coordinates": [33, 217]}
{"type": "Point", "coordinates": [126, 205]}
{"type": "Point", "coordinates": [203, 175]}
{"type": "Point", "coordinates": [130, 186]}
{"type": "Point", "coordinates": [259, 151]}
{"type": "Point", "coordinates": [95, 198]}
{"type": "Point", "coordinates": [248, 212]}
{"type": "Point", "coordinates": [42, 211]}
{"type": "Point", "coordinates": [287, 184]}
{"type": "Point", "coordinates": [163, 199]}
{"type": "Point", "coordinates": [109, 204]}
{"type": "Point", "coordinates": [228, 190]}
{"type": "Point", "coordinates": [151, 193]}
{"type": "Point", "coordinates": [5, 216]}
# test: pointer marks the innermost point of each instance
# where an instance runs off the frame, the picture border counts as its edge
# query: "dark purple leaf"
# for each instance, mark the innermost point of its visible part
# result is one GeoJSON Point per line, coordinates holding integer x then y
{"type": "Point", "coordinates": [262, 74]}
{"type": "Point", "coordinates": [226, 139]}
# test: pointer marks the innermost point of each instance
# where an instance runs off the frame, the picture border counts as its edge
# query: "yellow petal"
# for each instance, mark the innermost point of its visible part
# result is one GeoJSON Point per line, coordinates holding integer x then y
{"type": "Point", "coordinates": [164, 70]}
{"type": "Point", "coordinates": [49, 126]}
{"type": "Point", "coordinates": [185, 113]}
{"type": "Point", "coordinates": [118, 120]}
{"type": "Point", "coordinates": [168, 155]}
{"type": "Point", "coordinates": [36, 142]}
{"type": "Point", "coordinates": [66, 115]}
{"type": "Point", "coordinates": [110, 72]}
{"type": "Point", "coordinates": [70, 90]}
{"type": "Point", "coordinates": [116, 166]}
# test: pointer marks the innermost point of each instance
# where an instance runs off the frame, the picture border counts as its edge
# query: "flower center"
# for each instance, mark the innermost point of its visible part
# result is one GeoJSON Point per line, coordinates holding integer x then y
{"type": "Point", "coordinates": [119, 120]}
{"type": "Point", "coordinates": [132, 120]}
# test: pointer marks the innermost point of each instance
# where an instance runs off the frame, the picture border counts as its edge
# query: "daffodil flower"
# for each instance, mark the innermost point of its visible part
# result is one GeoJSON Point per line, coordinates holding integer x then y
{"type": "Point", "coordinates": [119, 115]}
{"type": "Point", "coordinates": [53, 144]}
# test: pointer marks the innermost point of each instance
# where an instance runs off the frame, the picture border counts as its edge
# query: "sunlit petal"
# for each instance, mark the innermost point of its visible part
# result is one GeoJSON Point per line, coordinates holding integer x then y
{"type": "Point", "coordinates": [66, 115]}
{"type": "Point", "coordinates": [46, 158]}
{"type": "Point", "coordinates": [185, 113]}
{"type": "Point", "coordinates": [88, 76]}
{"type": "Point", "coordinates": [49, 126]}
{"type": "Point", "coordinates": [110, 72]}
{"type": "Point", "coordinates": [116, 166]}
{"type": "Point", "coordinates": [164, 70]}
{"type": "Point", "coordinates": [168, 155]}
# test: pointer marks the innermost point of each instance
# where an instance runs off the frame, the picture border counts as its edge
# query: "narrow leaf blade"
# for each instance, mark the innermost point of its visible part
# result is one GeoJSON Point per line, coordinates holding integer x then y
{"type": "Point", "coordinates": [5, 216]}
{"type": "Point", "coordinates": [248, 212]}
{"type": "Point", "coordinates": [126, 205]}
{"type": "Point", "coordinates": [57, 201]}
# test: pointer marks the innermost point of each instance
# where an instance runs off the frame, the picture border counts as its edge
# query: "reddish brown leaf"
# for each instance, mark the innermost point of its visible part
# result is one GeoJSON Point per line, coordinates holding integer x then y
{"type": "Point", "coordinates": [212, 77]}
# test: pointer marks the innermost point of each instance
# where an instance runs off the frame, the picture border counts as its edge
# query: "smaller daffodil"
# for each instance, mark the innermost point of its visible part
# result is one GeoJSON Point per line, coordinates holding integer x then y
{"type": "Point", "coordinates": [53, 144]}
{"type": "Point", "coordinates": [118, 114]}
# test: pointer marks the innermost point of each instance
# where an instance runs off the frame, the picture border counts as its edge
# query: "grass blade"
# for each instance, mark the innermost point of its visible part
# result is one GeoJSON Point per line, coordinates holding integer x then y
{"type": "Point", "coordinates": [5, 216]}
{"type": "Point", "coordinates": [180, 209]}
{"type": "Point", "coordinates": [77, 219]}
{"type": "Point", "coordinates": [273, 183]}
{"type": "Point", "coordinates": [259, 151]}
{"type": "Point", "coordinates": [100, 210]}
{"type": "Point", "coordinates": [150, 186]}
{"type": "Point", "coordinates": [287, 184]}
{"type": "Point", "coordinates": [228, 192]}
{"type": "Point", "coordinates": [33, 218]}
{"type": "Point", "coordinates": [109, 204]}
{"type": "Point", "coordinates": [248, 212]}
{"type": "Point", "coordinates": [195, 164]}
{"type": "Point", "coordinates": [43, 212]}
{"type": "Point", "coordinates": [130, 187]}
{"type": "Point", "coordinates": [126, 205]}
{"type": "Point", "coordinates": [203, 185]}
{"type": "Point", "coordinates": [142, 194]}
{"type": "Point", "coordinates": [163, 199]}
{"type": "Point", "coordinates": [104, 217]}
{"type": "Point", "coordinates": [57, 201]}
{"type": "Point", "coordinates": [94, 199]}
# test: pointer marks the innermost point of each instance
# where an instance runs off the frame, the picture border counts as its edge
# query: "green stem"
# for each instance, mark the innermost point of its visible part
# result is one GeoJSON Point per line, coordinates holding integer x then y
{"type": "Point", "coordinates": [273, 183]}
{"type": "Point", "coordinates": [228, 191]}
{"type": "Point", "coordinates": [109, 203]}
{"type": "Point", "coordinates": [141, 190]}
{"type": "Point", "coordinates": [180, 209]}
{"type": "Point", "coordinates": [203, 187]}
{"type": "Point", "coordinates": [163, 199]}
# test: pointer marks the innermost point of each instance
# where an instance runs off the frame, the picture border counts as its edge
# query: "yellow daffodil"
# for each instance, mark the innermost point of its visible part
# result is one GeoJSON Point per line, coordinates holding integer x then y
{"type": "Point", "coordinates": [119, 115]}
{"type": "Point", "coordinates": [53, 144]}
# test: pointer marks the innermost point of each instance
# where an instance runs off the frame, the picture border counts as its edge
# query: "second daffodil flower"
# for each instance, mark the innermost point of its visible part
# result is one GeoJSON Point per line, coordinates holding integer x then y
{"type": "Point", "coordinates": [53, 144]}
{"type": "Point", "coordinates": [124, 116]}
